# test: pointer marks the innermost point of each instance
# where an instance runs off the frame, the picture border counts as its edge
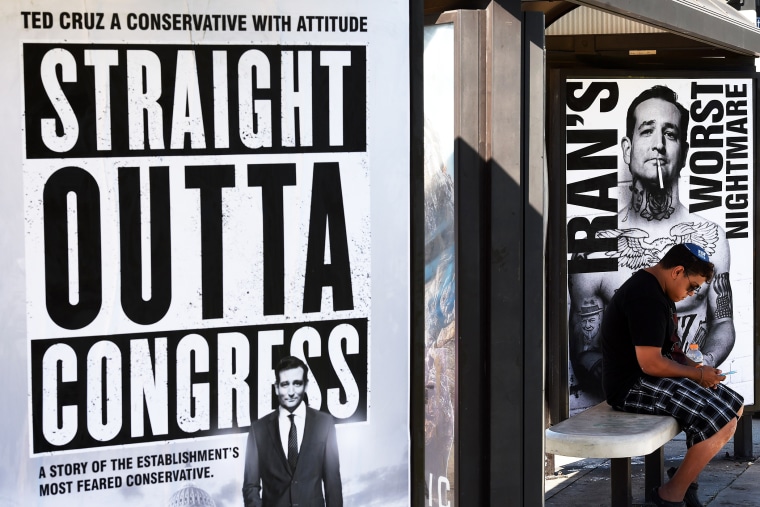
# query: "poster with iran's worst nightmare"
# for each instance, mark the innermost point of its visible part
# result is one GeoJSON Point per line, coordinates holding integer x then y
{"type": "Point", "coordinates": [206, 209]}
{"type": "Point", "coordinates": [652, 162]}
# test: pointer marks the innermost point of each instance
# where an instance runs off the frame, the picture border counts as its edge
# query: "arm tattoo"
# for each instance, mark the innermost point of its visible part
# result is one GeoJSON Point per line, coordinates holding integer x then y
{"type": "Point", "coordinates": [725, 302]}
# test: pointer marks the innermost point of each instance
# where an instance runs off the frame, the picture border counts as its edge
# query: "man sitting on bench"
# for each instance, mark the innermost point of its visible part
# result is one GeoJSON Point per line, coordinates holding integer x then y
{"type": "Point", "coordinates": [645, 371]}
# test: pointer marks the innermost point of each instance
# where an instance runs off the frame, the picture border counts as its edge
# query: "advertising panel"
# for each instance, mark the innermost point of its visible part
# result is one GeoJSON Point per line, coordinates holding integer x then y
{"type": "Point", "coordinates": [440, 280]}
{"type": "Point", "coordinates": [193, 192]}
{"type": "Point", "coordinates": [633, 195]}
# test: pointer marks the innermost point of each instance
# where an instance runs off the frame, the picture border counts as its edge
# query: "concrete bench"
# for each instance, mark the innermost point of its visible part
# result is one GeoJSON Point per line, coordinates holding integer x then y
{"type": "Point", "coordinates": [602, 432]}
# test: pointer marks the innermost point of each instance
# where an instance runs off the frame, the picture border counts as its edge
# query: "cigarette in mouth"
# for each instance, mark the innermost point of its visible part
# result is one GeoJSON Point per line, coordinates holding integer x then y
{"type": "Point", "coordinates": [659, 173]}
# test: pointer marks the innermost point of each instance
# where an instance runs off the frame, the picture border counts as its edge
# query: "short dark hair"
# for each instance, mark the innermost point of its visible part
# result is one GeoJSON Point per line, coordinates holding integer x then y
{"type": "Point", "coordinates": [680, 255]}
{"type": "Point", "coordinates": [290, 363]}
{"type": "Point", "coordinates": [661, 92]}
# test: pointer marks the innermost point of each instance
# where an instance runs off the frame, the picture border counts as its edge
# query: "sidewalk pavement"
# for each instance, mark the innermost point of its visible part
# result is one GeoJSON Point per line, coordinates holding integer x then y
{"type": "Point", "coordinates": [726, 481]}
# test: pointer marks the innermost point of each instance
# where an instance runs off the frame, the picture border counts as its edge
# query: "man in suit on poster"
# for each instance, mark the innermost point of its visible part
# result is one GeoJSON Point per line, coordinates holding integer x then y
{"type": "Point", "coordinates": [655, 150]}
{"type": "Point", "coordinates": [292, 452]}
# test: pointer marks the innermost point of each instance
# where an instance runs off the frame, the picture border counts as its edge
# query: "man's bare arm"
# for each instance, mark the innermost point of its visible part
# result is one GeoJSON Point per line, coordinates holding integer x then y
{"type": "Point", "coordinates": [653, 363]}
{"type": "Point", "coordinates": [721, 337]}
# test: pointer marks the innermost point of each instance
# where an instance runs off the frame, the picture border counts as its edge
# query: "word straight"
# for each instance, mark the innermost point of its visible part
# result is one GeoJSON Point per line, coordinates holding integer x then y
{"type": "Point", "coordinates": [161, 100]}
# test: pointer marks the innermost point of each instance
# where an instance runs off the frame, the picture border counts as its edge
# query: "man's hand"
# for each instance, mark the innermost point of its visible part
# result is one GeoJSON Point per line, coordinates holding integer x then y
{"type": "Point", "coordinates": [710, 377]}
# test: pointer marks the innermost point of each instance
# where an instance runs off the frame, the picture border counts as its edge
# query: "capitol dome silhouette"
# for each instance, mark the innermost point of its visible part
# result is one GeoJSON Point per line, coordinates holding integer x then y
{"type": "Point", "coordinates": [191, 496]}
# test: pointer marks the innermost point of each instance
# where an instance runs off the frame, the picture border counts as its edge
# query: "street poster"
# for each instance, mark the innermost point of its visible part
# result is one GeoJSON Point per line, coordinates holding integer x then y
{"type": "Point", "coordinates": [192, 192]}
{"type": "Point", "coordinates": [440, 259]}
{"type": "Point", "coordinates": [629, 198]}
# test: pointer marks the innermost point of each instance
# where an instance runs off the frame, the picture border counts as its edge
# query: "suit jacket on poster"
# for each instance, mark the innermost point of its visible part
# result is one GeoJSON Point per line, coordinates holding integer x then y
{"type": "Point", "coordinates": [268, 481]}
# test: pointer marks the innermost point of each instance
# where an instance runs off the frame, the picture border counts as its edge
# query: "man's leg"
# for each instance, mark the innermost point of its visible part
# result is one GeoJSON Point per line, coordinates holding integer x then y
{"type": "Point", "coordinates": [697, 457]}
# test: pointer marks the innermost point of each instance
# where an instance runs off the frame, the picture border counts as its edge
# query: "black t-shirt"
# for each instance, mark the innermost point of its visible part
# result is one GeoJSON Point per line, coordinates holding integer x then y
{"type": "Point", "coordinates": [638, 314]}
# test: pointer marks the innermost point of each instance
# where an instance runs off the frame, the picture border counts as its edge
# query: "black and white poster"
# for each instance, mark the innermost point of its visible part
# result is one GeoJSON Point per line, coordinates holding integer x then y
{"type": "Point", "coordinates": [653, 162]}
{"type": "Point", "coordinates": [193, 191]}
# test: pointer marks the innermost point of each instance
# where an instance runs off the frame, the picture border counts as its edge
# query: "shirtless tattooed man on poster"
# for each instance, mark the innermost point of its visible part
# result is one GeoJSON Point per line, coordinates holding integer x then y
{"type": "Point", "coordinates": [655, 149]}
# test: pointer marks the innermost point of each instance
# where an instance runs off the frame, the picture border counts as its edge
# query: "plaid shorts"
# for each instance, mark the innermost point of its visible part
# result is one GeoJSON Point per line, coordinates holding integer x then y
{"type": "Point", "coordinates": [701, 412]}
